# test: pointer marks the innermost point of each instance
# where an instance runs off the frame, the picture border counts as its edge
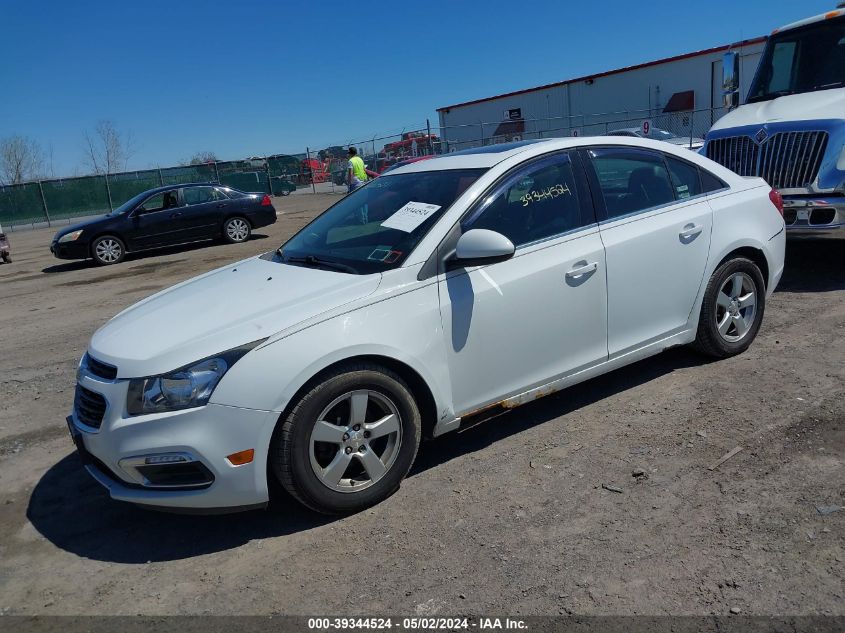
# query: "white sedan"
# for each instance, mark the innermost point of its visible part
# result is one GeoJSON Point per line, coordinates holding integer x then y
{"type": "Point", "coordinates": [450, 289]}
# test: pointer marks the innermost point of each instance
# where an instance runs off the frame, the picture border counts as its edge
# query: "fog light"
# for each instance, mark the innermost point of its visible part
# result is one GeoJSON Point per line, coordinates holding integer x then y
{"type": "Point", "coordinates": [164, 459]}
{"type": "Point", "coordinates": [241, 457]}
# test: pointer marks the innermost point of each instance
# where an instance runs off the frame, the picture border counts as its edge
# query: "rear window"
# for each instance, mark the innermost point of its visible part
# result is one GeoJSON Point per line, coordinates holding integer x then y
{"type": "Point", "coordinates": [685, 178]}
{"type": "Point", "coordinates": [709, 182]}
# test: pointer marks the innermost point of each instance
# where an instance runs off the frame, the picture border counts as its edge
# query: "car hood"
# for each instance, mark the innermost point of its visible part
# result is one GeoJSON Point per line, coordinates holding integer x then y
{"type": "Point", "coordinates": [684, 141]}
{"type": "Point", "coordinates": [80, 225]}
{"type": "Point", "coordinates": [221, 310]}
{"type": "Point", "coordinates": [822, 104]}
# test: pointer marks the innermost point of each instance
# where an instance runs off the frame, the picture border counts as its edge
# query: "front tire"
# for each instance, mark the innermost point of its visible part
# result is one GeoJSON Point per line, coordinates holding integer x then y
{"type": "Point", "coordinates": [236, 230]}
{"type": "Point", "coordinates": [732, 310]}
{"type": "Point", "coordinates": [348, 443]}
{"type": "Point", "coordinates": [107, 250]}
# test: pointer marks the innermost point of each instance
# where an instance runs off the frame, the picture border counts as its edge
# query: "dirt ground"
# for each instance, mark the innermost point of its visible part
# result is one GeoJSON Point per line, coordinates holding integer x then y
{"type": "Point", "coordinates": [509, 517]}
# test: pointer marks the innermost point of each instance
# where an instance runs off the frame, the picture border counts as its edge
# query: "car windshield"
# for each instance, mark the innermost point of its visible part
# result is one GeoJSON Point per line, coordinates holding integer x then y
{"type": "Point", "coordinates": [661, 135]}
{"type": "Point", "coordinates": [129, 204]}
{"type": "Point", "coordinates": [792, 61]}
{"type": "Point", "coordinates": [376, 227]}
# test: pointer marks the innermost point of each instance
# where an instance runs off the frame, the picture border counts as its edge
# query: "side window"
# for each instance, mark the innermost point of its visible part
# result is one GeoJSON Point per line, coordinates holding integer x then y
{"type": "Point", "coordinates": [538, 202]}
{"type": "Point", "coordinates": [160, 201]}
{"type": "Point", "coordinates": [709, 182]}
{"type": "Point", "coordinates": [685, 180]}
{"type": "Point", "coordinates": [631, 180]}
{"type": "Point", "coordinates": [199, 195]}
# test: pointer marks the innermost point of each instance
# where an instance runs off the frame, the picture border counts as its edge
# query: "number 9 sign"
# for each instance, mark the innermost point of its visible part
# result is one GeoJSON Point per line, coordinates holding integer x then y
{"type": "Point", "coordinates": [646, 128]}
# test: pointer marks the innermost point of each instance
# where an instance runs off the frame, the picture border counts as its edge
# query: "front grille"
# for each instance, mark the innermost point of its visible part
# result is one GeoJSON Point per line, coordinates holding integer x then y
{"type": "Point", "coordinates": [109, 372]}
{"type": "Point", "coordinates": [785, 160]}
{"type": "Point", "coordinates": [90, 407]}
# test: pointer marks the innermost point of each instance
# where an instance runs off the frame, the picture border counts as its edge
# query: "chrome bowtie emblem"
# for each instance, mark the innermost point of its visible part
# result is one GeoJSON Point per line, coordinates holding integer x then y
{"type": "Point", "coordinates": [761, 135]}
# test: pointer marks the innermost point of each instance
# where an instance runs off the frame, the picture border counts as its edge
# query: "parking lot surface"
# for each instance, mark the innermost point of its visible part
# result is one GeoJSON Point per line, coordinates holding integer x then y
{"type": "Point", "coordinates": [508, 517]}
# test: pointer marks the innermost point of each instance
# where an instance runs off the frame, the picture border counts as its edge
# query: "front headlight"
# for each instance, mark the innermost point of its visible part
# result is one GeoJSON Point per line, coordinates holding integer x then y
{"type": "Point", "coordinates": [70, 237]}
{"type": "Point", "coordinates": [186, 388]}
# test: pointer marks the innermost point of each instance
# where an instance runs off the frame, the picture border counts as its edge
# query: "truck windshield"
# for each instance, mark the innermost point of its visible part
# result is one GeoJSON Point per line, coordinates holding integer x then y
{"type": "Point", "coordinates": [376, 227]}
{"type": "Point", "coordinates": [804, 59]}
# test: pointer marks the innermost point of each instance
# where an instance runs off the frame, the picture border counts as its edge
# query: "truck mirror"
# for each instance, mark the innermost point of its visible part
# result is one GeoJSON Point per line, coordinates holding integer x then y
{"type": "Point", "coordinates": [730, 79]}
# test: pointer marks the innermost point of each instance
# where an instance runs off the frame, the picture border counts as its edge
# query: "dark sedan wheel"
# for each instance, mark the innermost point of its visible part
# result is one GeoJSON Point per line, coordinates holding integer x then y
{"type": "Point", "coordinates": [236, 230]}
{"type": "Point", "coordinates": [108, 250]}
{"type": "Point", "coordinates": [348, 443]}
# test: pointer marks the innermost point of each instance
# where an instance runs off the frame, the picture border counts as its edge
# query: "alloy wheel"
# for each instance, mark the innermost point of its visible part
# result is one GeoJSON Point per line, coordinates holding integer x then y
{"type": "Point", "coordinates": [237, 230]}
{"type": "Point", "coordinates": [108, 250]}
{"type": "Point", "coordinates": [736, 307]}
{"type": "Point", "coordinates": [355, 440]}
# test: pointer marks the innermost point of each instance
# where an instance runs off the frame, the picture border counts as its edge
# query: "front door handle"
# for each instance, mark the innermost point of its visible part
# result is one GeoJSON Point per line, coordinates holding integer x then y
{"type": "Point", "coordinates": [221, 205]}
{"type": "Point", "coordinates": [690, 230]}
{"type": "Point", "coordinates": [582, 270]}
{"type": "Point", "coordinates": [175, 215]}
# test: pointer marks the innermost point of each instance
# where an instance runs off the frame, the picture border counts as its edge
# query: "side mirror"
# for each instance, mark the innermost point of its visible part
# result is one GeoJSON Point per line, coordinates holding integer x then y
{"type": "Point", "coordinates": [730, 80]}
{"type": "Point", "coordinates": [477, 247]}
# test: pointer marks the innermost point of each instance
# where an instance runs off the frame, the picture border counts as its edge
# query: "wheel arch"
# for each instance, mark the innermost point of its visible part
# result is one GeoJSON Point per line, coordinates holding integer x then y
{"type": "Point", "coordinates": [106, 233]}
{"type": "Point", "coordinates": [419, 387]}
{"type": "Point", "coordinates": [756, 255]}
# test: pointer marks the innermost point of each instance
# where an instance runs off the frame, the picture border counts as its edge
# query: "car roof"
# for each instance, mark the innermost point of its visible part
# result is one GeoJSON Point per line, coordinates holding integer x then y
{"type": "Point", "coordinates": [182, 185]}
{"type": "Point", "coordinates": [491, 155]}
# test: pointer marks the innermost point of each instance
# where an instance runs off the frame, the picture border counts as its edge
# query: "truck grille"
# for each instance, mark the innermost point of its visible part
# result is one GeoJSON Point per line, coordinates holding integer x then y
{"type": "Point", "coordinates": [786, 160]}
{"type": "Point", "coordinates": [90, 407]}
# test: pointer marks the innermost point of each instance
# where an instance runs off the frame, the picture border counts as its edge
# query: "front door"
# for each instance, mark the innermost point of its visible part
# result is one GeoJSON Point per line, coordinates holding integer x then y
{"type": "Point", "coordinates": [156, 222]}
{"type": "Point", "coordinates": [521, 323]}
{"type": "Point", "coordinates": [656, 229]}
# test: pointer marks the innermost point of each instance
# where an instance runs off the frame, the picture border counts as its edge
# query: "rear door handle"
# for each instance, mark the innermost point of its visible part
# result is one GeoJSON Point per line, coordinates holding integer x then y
{"type": "Point", "coordinates": [690, 230]}
{"type": "Point", "coordinates": [582, 270]}
{"type": "Point", "coordinates": [175, 215]}
{"type": "Point", "coordinates": [221, 205]}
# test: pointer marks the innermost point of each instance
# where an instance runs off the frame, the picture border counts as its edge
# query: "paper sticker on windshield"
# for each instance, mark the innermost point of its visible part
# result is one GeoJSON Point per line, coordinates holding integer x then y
{"type": "Point", "coordinates": [683, 191]}
{"type": "Point", "coordinates": [410, 216]}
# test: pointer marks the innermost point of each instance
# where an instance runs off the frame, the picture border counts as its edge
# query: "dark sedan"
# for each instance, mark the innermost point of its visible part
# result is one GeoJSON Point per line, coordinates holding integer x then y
{"type": "Point", "coordinates": [176, 214]}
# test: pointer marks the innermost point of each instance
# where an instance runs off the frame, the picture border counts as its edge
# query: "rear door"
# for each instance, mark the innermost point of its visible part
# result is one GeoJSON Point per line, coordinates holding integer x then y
{"type": "Point", "coordinates": [655, 225]}
{"type": "Point", "coordinates": [203, 212]}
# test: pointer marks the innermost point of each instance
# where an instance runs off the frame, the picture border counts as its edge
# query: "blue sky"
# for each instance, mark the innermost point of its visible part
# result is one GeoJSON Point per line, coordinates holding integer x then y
{"type": "Point", "coordinates": [246, 77]}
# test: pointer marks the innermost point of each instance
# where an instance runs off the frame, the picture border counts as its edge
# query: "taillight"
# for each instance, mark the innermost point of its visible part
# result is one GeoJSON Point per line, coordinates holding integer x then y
{"type": "Point", "coordinates": [265, 202]}
{"type": "Point", "coordinates": [777, 200]}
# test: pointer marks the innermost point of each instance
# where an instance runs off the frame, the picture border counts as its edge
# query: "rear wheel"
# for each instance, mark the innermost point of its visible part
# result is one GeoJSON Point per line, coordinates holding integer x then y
{"type": "Point", "coordinates": [108, 250]}
{"type": "Point", "coordinates": [236, 230]}
{"type": "Point", "coordinates": [348, 443]}
{"type": "Point", "coordinates": [732, 310]}
{"type": "Point", "coordinates": [7, 258]}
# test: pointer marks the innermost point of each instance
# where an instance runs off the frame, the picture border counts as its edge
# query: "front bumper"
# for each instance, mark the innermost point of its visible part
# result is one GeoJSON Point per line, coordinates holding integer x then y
{"type": "Point", "coordinates": [70, 250]}
{"type": "Point", "coordinates": [205, 435]}
{"type": "Point", "coordinates": [816, 217]}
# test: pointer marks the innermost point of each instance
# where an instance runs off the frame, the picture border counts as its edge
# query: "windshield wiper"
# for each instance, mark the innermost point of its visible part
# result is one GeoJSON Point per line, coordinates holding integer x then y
{"type": "Point", "coordinates": [771, 95]}
{"type": "Point", "coordinates": [317, 262]}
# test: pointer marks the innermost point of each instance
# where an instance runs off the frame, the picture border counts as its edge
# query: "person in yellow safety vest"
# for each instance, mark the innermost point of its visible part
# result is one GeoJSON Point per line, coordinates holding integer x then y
{"type": "Point", "coordinates": [356, 172]}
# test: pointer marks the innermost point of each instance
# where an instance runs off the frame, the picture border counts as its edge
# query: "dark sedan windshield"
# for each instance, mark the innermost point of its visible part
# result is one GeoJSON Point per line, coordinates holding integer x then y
{"type": "Point", "coordinates": [130, 204]}
{"type": "Point", "coordinates": [376, 227]}
{"type": "Point", "coordinates": [801, 60]}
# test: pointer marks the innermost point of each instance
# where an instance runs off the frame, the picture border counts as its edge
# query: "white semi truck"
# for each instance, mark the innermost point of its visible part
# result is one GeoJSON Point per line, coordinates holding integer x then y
{"type": "Point", "coordinates": [791, 128]}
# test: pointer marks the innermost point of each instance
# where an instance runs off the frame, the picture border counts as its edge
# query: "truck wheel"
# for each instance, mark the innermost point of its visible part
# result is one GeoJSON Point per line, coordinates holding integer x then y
{"type": "Point", "coordinates": [348, 443]}
{"type": "Point", "coordinates": [732, 310]}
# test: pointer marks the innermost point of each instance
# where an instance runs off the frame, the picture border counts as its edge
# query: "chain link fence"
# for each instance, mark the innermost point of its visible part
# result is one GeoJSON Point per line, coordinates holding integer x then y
{"type": "Point", "coordinates": [323, 170]}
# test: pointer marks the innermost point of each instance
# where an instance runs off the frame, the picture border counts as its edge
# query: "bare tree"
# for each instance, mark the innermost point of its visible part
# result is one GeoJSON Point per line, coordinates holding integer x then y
{"type": "Point", "coordinates": [107, 150]}
{"type": "Point", "coordinates": [200, 158]}
{"type": "Point", "coordinates": [21, 159]}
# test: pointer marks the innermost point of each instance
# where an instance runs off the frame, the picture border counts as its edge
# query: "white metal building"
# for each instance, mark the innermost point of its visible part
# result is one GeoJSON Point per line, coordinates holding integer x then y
{"type": "Point", "coordinates": [682, 94]}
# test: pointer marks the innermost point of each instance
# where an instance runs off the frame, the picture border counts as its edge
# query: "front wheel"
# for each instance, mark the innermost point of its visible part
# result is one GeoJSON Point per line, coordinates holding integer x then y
{"type": "Point", "coordinates": [236, 230]}
{"type": "Point", "coordinates": [348, 443]}
{"type": "Point", "coordinates": [108, 250]}
{"type": "Point", "coordinates": [732, 310]}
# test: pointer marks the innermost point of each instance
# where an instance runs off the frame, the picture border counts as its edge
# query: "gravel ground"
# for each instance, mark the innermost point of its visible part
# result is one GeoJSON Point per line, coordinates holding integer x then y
{"type": "Point", "coordinates": [510, 516]}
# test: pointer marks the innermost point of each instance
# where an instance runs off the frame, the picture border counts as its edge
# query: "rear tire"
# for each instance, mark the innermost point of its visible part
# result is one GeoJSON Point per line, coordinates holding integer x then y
{"type": "Point", "coordinates": [349, 441]}
{"type": "Point", "coordinates": [7, 258]}
{"type": "Point", "coordinates": [732, 309]}
{"type": "Point", "coordinates": [107, 250]}
{"type": "Point", "coordinates": [236, 230]}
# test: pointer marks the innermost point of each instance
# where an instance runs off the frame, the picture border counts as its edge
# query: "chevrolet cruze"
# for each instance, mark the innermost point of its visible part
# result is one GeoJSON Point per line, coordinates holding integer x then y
{"type": "Point", "coordinates": [444, 292]}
